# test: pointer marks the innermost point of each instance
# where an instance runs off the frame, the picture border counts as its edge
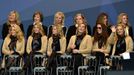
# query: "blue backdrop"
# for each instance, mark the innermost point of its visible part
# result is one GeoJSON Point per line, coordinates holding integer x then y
{"type": "Point", "coordinates": [90, 8]}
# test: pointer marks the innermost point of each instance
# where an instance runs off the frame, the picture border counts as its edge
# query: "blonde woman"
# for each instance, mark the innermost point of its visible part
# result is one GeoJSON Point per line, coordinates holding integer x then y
{"type": "Point", "coordinates": [14, 43]}
{"type": "Point", "coordinates": [80, 45]}
{"type": "Point", "coordinates": [37, 41]}
{"type": "Point", "coordinates": [123, 20]}
{"type": "Point", "coordinates": [13, 19]}
{"type": "Point", "coordinates": [122, 43]}
{"type": "Point", "coordinates": [57, 41]}
{"type": "Point", "coordinates": [56, 46]}
{"type": "Point", "coordinates": [36, 45]}
{"type": "Point", "coordinates": [59, 18]}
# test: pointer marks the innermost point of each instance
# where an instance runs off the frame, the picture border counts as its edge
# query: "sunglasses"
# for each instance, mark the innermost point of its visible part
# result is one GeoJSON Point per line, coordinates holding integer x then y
{"type": "Point", "coordinates": [99, 28]}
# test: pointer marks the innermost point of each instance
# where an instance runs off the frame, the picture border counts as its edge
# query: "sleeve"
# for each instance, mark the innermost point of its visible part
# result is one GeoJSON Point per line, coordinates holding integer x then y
{"type": "Point", "coordinates": [4, 31]}
{"type": "Point", "coordinates": [21, 52]}
{"type": "Point", "coordinates": [49, 49]}
{"type": "Point", "coordinates": [45, 29]}
{"type": "Point", "coordinates": [131, 32]}
{"type": "Point", "coordinates": [70, 43]}
{"type": "Point", "coordinates": [111, 39]}
{"type": "Point", "coordinates": [29, 30]}
{"type": "Point", "coordinates": [69, 34]}
{"type": "Point", "coordinates": [50, 32]}
{"type": "Point", "coordinates": [130, 44]}
{"type": "Point", "coordinates": [89, 29]}
{"type": "Point", "coordinates": [28, 48]}
{"type": "Point", "coordinates": [5, 50]}
{"type": "Point", "coordinates": [21, 26]}
{"type": "Point", "coordinates": [64, 30]}
{"type": "Point", "coordinates": [113, 50]}
{"type": "Point", "coordinates": [63, 47]}
{"type": "Point", "coordinates": [88, 44]}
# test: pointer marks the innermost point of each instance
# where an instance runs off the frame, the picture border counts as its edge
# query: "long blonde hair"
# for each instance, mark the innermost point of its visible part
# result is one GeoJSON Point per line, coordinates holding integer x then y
{"type": "Point", "coordinates": [17, 18]}
{"type": "Point", "coordinates": [59, 31]}
{"type": "Point", "coordinates": [119, 21]}
{"type": "Point", "coordinates": [40, 28]}
{"type": "Point", "coordinates": [62, 15]}
{"type": "Point", "coordinates": [116, 37]}
{"type": "Point", "coordinates": [19, 33]}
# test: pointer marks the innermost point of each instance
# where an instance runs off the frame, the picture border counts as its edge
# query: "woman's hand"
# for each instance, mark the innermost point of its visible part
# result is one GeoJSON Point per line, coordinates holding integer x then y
{"type": "Point", "coordinates": [72, 47]}
{"type": "Point", "coordinates": [113, 28]}
{"type": "Point", "coordinates": [11, 52]}
{"type": "Point", "coordinates": [75, 51]}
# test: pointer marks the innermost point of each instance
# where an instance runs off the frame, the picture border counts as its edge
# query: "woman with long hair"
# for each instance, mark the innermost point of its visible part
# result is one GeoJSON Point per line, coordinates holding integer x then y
{"type": "Point", "coordinates": [36, 45]}
{"type": "Point", "coordinates": [56, 47]}
{"type": "Point", "coordinates": [13, 19]}
{"type": "Point", "coordinates": [79, 46]}
{"type": "Point", "coordinates": [14, 44]}
{"type": "Point", "coordinates": [59, 18]}
{"type": "Point", "coordinates": [103, 19]}
{"type": "Point", "coordinates": [37, 41]}
{"type": "Point", "coordinates": [122, 42]}
{"type": "Point", "coordinates": [101, 47]}
{"type": "Point", "coordinates": [123, 20]}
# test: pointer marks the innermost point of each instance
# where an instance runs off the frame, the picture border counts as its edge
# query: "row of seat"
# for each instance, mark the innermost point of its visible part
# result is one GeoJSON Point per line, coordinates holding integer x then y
{"type": "Point", "coordinates": [90, 68]}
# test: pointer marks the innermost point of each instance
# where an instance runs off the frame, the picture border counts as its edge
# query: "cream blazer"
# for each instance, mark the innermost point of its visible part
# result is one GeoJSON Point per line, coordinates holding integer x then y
{"type": "Point", "coordinates": [62, 45]}
{"type": "Point", "coordinates": [43, 47]}
{"type": "Point", "coordinates": [85, 45]}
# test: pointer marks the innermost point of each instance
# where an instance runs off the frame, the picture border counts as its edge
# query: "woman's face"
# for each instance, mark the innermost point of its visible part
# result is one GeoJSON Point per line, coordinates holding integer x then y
{"type": "Point", "coordinates": [120, 30]}
{"type": "Point", "coordinates": [36, 29]}
{"type": "Point", "coordinates": [37, 18]}
{"type": "Point", "coordinates": [105, 19]}
{"type": "Point", "coordinates": [58, 19]}
{"type": "Point", "coordinates": [81, 28]}
{"type": "Point", "coordinates": [99, 29]}
{"type": "Point", "coordinates": [79, 20]}
{"type": "Point", "coordinates": [11, 17]}
{"type": "Point", "coordinates": [13, 32]}
{"type": "Point", "coordinates": [54, 30]}
{"type": "Point", "coordinates": [124, 19]}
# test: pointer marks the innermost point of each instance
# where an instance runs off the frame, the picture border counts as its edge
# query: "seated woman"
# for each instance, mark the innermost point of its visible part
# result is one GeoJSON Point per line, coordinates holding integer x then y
{"type": "Point", "coordinates": [36, 44]}
{"type": "Point", "coordinates": [101, 47]}
{"type": "Point", "coordinates": [122, 43]}
{"type": "Point", "coordinates": [56, 46]}
{"type": "Point", "coordinates": [80, 45]}
{"type": "Point", "coordinates": [14, 44]}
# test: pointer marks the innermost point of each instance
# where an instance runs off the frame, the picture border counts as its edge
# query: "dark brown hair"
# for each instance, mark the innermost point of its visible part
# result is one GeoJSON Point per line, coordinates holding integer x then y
{"type": "Point", "coordinates": [104, 33]}
{"type": "Point", "coordinates": [41, 15]}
